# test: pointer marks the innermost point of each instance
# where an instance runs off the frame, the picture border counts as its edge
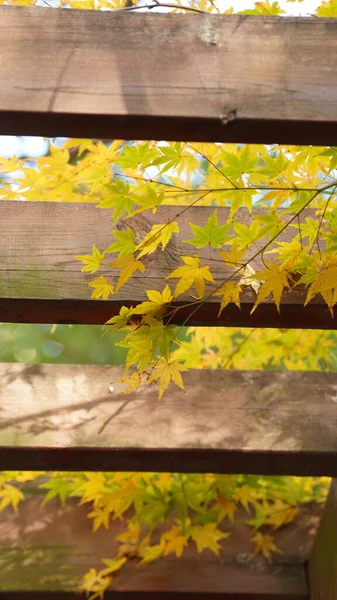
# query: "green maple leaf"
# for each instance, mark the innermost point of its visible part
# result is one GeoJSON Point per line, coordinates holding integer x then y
{"type": "Point", "coordinates": [125, 242]}
{"type": "Point", "coordinates": [212, 234]}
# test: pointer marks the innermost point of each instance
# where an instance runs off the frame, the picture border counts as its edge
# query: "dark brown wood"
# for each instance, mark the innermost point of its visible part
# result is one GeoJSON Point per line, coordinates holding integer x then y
{"type": "Point", "coordinates": [322, 568]}
{"type": "Point", "coordinates": [41, 280]}
{"type": "Point", "coordinates": [44, 551]}
{"type": "Point", "coordinates": [261, 422]}
{"type": "Point", "coordinates": [180, 77]}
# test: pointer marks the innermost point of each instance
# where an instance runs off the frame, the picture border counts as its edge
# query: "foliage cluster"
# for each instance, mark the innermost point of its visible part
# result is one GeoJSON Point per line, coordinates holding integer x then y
{"type": "Point", "coordinates": [195, 509]}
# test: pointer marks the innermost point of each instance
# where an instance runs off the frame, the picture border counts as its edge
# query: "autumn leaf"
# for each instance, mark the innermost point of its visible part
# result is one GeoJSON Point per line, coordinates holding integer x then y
{"type": "Point", "coordinates": [191, 274]}
{"type": "Point", "coordinates": [151, 553]}
{"type": "Point", "coordinates": [265, 545]}
{"type": "Point", "coordinates": [92, 262]}
{"type": "Point", "coordinates": [274, 279]}
{"type": "Point", "coordinates": [10, 496]}
{"type": "Point", "coordinates": [157, 304]}
{"type": "Point", "coordinates": [159, 234]}
{"type": "Point", "coordinates": [125, 242]}
{"type": "Point", "coordinates": [230, 292]}
{"type": "Point", "coordinates": [129, 265]}
{"type": "Point", "coordinates": [207, 537]}
{"type": "Point", "coordinates": [175, 542]}
{"type": "Point", "coordinates": [165, 372]}
{"type": "Point", "coordinates": [226, 507]}
{"type": "Point", "coordinates": [212, 234]}
{"type": "Point", "coordinates": [103, 288]}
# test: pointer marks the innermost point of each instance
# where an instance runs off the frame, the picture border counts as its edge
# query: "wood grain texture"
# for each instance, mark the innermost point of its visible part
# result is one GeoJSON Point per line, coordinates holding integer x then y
{"type": "Point", "coordinates": [41, 280]}
{"type": "Point", "coordinates": [44, 551]}
{"type": "Point", "coordinates": [260, 422]}
{"type": "Point", "coordinates": [322, 568]}
{"type": "Point", "coordinates": [177, 77]}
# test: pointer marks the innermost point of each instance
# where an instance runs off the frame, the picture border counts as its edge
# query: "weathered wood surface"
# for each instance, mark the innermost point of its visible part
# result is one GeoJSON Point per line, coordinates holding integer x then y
{"type": "Point", "coordinates": [178, 77]}
{"type": "Point", "coordinates": [41, 280]}
{"type": "Point", "coordinates": [44, 551]}
{"type": "Point", "coordinates": [260, 422]}
{"type": "Point", "coordinates": [322, 568]}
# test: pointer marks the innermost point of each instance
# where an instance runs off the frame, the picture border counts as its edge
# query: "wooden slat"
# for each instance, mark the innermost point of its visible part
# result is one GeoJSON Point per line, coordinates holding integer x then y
{"type": "Point", "coordinates": [180, 77]}
{"type": "Point", "coordinates": [322, 569]}
{"type": "Point", "coordinates": [41, 281]}
{"type": "Point", "coordinates": [260, 422]}
{"type": "Point", "coordinates": [44, 551]}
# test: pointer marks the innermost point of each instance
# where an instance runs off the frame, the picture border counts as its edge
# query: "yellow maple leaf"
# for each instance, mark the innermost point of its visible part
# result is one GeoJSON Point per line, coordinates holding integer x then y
{"type": "Point", "coordinates": [246, 496]}
{"type": "Point", "coordinates": [175, 542]}
{"type": "Point", "coordinates": [281, 514]}
{"type": "Point", "coordinates": [92, 262]}
{"type": "Point", "coordinates": [326, 285]}
{"type": "Point", "coordinates": [160, 233]}
{"type": "Point", "coordinates": [10, 496]}
{"type": "Point", "coordinates": [264, 544]}
{"type": "Point", "coordinates": [150, 553]}
{"type": "Point", "coordinates": [156, 306]}
{"type": "Point", "coordinates": [101, 516]}
{"type": "Point", "coordinates": [274, 280]}
{"type": "Point", "coordinates": [112, 565]}
{"type": "Point", "coordinates": [191, 274]}
{"type": "Point", "coordinates": [230, 292]}
{"type": "Point", "coordinates": [103, 288]}
{"type": "Point", "coordinates": [226, 507]}
{"type": "Point", "coordinates": [208, 536]}
{"type": "Point", "coordinates": [234, 256]}
{"type": "Point", "coordinates": [166, 371]}
{"type": "Point", "coordinates": [129, 265]}
{"type": "Point", "coordinates": [94, 583]}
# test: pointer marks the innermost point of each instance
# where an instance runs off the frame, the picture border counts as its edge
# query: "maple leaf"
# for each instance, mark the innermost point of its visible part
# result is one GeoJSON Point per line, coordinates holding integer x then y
{"type": "Point", "coordinates": [160, 234]}
{"type": "Point", "coordinates": [112, 565]}
{"type": "Point", "coordinates": [125, 242]}
{"type": "Point", "coordinates": [94, 583]}
{"type": "Point", "coordinates": [92, 262]}
{"type": "Point", "coordinates": [212, 234]}
{"type": "Point", "coordinates": [129, 265]}
{"type": "Point", "coordinates": [230, 292]}
{"type": "Point", "coordinates": [149, 201]}
{"type": "Point", "coordinates": [117, 195]}
{"type": "Point", "coordinates": [120, 321]}
{"type": "Point", "coordinates": [227, 508]}
{"type": "Point", "coordinates": [10, 496]}
{"type": "Point", "coordinates": [175, 542]}
{"type": "Point", "coordinates": [157, 305]}
{"type": "Point", "coordinates": [191, 274]}
{"type": "Point", "coordinates": [166, 371]}
{"type": "Point", "coordinates": [265, 544]}
{"type": "Point", "coordinates": [247, 235]}
{"type": "Point", "coordinates": [151, 553]}
{"type": "Point", "coordinates": [246, 496]}
{"type": "Point", "coordinates": [103, 288]}
{"type": "Point", "coordinates": [274, 280]}
{"type": "Point", "coordinates": [101, 516]}
{"type": "Point", "coordinates": [207, 537]}
{"type": "Point", "coordinates": [281, 514]}
{"type": "Point", "coordinates": [234, 256]}
{"type": "Point", "coordinates": [140, 351]}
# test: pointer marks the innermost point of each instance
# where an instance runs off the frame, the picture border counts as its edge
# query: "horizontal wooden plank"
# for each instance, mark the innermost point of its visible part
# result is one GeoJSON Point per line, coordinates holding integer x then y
{"type": "Point", "coordinates": [44, 551]}
{"type": "Point", "coordinates": [67, 417]}
{"type": "Point", "coordinates": [177, 77]}
{"type": "Point", "coordinates": [41, 280]}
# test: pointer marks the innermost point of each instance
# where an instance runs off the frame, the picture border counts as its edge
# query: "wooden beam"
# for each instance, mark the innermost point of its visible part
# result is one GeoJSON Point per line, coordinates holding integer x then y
{"type": "Point", "coordinates": [44, 552]}
{"type": "Point", "coordinates": [322, 568]}
{"type": "Point", "coordinates": [176, 77]}
{"type": "Point", "coordinates": [64, 417]}
{"type": "Point", "coordinates": [41, 280]}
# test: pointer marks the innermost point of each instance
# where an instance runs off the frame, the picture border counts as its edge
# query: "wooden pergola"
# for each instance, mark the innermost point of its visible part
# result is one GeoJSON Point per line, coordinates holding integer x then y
{"type": "Point", "coordinates": [158, 76]}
